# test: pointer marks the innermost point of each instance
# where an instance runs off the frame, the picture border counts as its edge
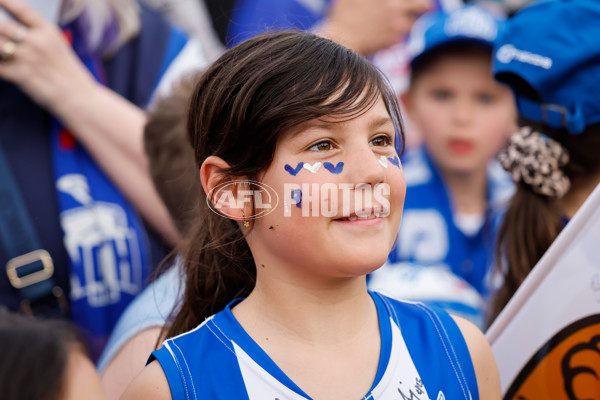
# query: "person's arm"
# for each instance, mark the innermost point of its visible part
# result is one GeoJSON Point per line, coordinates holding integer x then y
{"type": "Point", "coordinates": [370, 25]}
{"type": "Point", "coordinates": [45, 67]}
{"type": "Point", "coordinates": [486, 371]}
{"type": "Point", "coordinates": [150, 384]}
{"type": "Point", "coordinates": [128, 362]}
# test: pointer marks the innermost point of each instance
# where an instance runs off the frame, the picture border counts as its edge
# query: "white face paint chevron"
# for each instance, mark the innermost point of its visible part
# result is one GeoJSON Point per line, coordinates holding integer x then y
{"type": "Point", "coordinates": [313, 168]}
{"type": "Point", "coordinates": [383, 161]}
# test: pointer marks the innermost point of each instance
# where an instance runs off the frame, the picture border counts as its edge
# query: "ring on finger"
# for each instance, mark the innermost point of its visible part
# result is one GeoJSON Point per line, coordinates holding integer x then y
{"type": "Point", "coordinates": [8, 50]}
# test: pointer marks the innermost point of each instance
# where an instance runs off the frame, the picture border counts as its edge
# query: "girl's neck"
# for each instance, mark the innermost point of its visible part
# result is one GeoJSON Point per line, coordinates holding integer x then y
{"type": "Point", "coordinates": [326, 340]}
{"type": "Point", "coordinates": [323, 315]}
{"type": "Point", "coordinates": [467, 191]}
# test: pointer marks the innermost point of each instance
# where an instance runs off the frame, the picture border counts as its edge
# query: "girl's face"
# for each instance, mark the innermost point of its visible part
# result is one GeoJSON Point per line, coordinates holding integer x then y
{"type": "Point", "coordinates": [463, 115]}
{"type": "Point", "coordinates": [341, 191]}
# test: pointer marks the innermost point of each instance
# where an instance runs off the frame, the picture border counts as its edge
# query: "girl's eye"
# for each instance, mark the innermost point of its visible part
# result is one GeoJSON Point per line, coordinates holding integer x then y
{"type": "Point", "coordinates": [381, 141]}
{"type": "Point", "coordinates": [321, 146]}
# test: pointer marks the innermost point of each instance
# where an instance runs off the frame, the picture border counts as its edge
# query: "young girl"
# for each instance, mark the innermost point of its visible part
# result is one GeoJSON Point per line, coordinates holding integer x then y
{"type": "Point", "coordinates": [276, 307]}
{"type": "Point", "coordinates": [554, 158]}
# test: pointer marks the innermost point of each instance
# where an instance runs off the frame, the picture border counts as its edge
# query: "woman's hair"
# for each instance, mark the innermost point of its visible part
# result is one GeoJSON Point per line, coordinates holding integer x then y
{"type": "Point", "coordinates": [34, 356]}
{"type": "Point", "coordinates": [239, 109]}
{"type": "Point", "coordinates": [533, 220]}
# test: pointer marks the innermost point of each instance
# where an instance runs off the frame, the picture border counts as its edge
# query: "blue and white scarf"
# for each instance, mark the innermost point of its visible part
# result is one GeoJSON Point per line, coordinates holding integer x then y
{"type": "Point", "coordinates": [104, 236]}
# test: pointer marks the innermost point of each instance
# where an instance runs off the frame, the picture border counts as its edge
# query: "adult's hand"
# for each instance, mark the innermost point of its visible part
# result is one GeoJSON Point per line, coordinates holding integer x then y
{"type": "Point", "coordinates": [370, 25]}
{"type": "Point", "coordinates": [39, 61]}
{"type": "Point", "coordinates": [36, 57]}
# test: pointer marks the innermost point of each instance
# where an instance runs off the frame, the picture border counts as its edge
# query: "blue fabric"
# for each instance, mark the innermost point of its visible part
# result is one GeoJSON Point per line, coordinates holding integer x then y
{"type": "Point", "coordinates": [208, 362]}
{"type": "Point", "coordinates": [150, 309]}
{"type": "Point", "coordinates": [24, 137]}
{"type": "Point", "coordinates": [471, 24]}
{"type": "Point", "coordinates": [105, 239]}
{"type": "Point", "coordinates": [561, 69]}
{"type": "Point", "coordinates": [157, 45]}
{"type": "Point", "coordinates": [27, 135]}
{"type": "Point", "coordinates": [428, 234]}
{"type": "Point", "coordinates": [251, 17]}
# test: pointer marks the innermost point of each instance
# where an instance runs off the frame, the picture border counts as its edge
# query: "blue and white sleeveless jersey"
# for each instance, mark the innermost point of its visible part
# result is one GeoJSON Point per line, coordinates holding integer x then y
{"type": "Point", "coordinates": [428, 233]}
{"type": "Point", "coordinates": [423, 356]}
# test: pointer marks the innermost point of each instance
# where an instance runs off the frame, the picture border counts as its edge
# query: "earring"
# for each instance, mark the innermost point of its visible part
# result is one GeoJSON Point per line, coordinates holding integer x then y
{"type": "Point", "coordinates": [246, 223]}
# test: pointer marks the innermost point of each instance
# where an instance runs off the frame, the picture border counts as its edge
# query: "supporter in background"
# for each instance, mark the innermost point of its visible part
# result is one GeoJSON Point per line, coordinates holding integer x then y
{"type": "Point", "coordinates": [455, 190]}
{"type": "Point", "coordinates": [71, 102]}
{"type": "Point", "coordinates": [174, 174]}
{"type": "Point", "coordinates": [374, 28]}
{"type": "Point", "coordinates": [44, 360]}
{"type": "Point", "coordinates": [553, 159]}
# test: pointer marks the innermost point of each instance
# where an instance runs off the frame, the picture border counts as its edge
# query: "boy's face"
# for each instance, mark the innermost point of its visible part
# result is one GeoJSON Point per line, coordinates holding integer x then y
{"type": "Point", "coordinates": [462, 114]}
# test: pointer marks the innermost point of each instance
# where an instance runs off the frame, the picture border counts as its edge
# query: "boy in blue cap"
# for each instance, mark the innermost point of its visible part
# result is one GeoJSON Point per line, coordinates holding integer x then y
{"type": "Point", "coordinates": [463, 117]}
{"type": "Point", "coordinates": [554, 158]}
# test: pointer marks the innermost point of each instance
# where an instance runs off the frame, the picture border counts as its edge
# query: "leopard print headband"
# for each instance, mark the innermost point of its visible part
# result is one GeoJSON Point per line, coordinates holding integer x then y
{"type": "Point", "coordinates": [537, 161]}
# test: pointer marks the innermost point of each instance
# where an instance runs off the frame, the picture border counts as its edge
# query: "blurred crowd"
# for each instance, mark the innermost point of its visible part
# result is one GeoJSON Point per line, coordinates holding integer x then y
{"type": "Point", "coordinates": [98, 183]}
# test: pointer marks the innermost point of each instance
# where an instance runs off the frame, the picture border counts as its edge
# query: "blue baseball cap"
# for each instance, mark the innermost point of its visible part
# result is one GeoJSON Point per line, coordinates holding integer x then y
{"type": "Point", "coordinates": [553, 46]}
{"type": "Point", "coordinates": [468, 24]}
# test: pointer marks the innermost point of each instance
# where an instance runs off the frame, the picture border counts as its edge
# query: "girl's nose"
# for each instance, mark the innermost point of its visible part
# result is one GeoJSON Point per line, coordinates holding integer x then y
{"type": "Point", "coordinates": [365, 167]}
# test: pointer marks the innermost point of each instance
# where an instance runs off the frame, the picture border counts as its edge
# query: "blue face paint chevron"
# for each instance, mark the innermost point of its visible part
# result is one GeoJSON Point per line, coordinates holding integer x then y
{"type": "Point", "coordinates": [297, 197]}
{"type": "Point", "coordinates": [337, 169]}
{"type": "Point", "coordinates": [395, 161]}
{"type": "Point", "coordinates": [294, 171]}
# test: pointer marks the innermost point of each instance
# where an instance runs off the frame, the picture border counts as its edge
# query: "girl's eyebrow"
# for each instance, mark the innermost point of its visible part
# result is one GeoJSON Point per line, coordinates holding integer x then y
{"type": "Point", "coordinates": [375, 123]}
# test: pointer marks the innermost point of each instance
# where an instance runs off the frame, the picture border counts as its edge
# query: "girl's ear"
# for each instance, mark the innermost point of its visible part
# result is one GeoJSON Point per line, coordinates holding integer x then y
{"type": "Point", "coordinates": [222, 196]}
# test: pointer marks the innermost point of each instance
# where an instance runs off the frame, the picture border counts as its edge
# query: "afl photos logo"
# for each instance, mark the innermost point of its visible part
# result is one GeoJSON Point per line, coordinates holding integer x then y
{"type": "Point", "coordinates": [567, 367]}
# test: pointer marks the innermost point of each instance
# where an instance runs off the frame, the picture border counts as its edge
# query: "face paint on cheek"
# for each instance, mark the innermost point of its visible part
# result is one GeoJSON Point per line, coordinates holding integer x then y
{"type": "Point", "coordinates": [337, 169]}
{"type": "Point", "coordinates": [297, 197]}
{"type": "Point", "coordinates": [313, 168]}
{"type": "Point", "coordinates": [383, 160]}
{"type": "Point", "coordinates": [395, 161]}
{"type": "Point", "coordinates": [290, 191]}
{"type": "Point", "coordinates": [293, 171]}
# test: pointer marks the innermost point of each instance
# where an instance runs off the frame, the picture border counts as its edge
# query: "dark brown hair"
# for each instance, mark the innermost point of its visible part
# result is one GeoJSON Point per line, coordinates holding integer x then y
{"type": "Point", "coordinates": [34, 356]}
{"type": "Point", "coordinates": [170, 156]}
{"type": "Point", "coordinates": [240, 107]}
{"type": "Point", "coordinates": [533, 221]}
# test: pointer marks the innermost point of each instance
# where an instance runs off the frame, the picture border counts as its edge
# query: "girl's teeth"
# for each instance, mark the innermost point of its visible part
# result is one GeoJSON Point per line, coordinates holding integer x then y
{"type": "Point", "coordinates": [352, 218]}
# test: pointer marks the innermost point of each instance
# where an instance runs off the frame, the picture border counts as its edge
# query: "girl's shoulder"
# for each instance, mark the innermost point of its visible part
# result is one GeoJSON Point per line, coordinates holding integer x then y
{"type": "Point", "coordinates": [436, 345]}
{"type": "Point", "coordinates": [445, 348]}
{"type": "Point", "coordinates": [195, 362]}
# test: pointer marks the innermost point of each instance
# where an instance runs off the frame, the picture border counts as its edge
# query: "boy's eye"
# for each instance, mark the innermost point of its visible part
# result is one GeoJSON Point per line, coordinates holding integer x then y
{"type": "Point", "coordinates": [485, 98]}
{"type": "Point", "coordinates": [441, 94]}
{"type": "Point", "coordinates": [321, 146]}
{"type": "Point", "coordinates": [381, 141]}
